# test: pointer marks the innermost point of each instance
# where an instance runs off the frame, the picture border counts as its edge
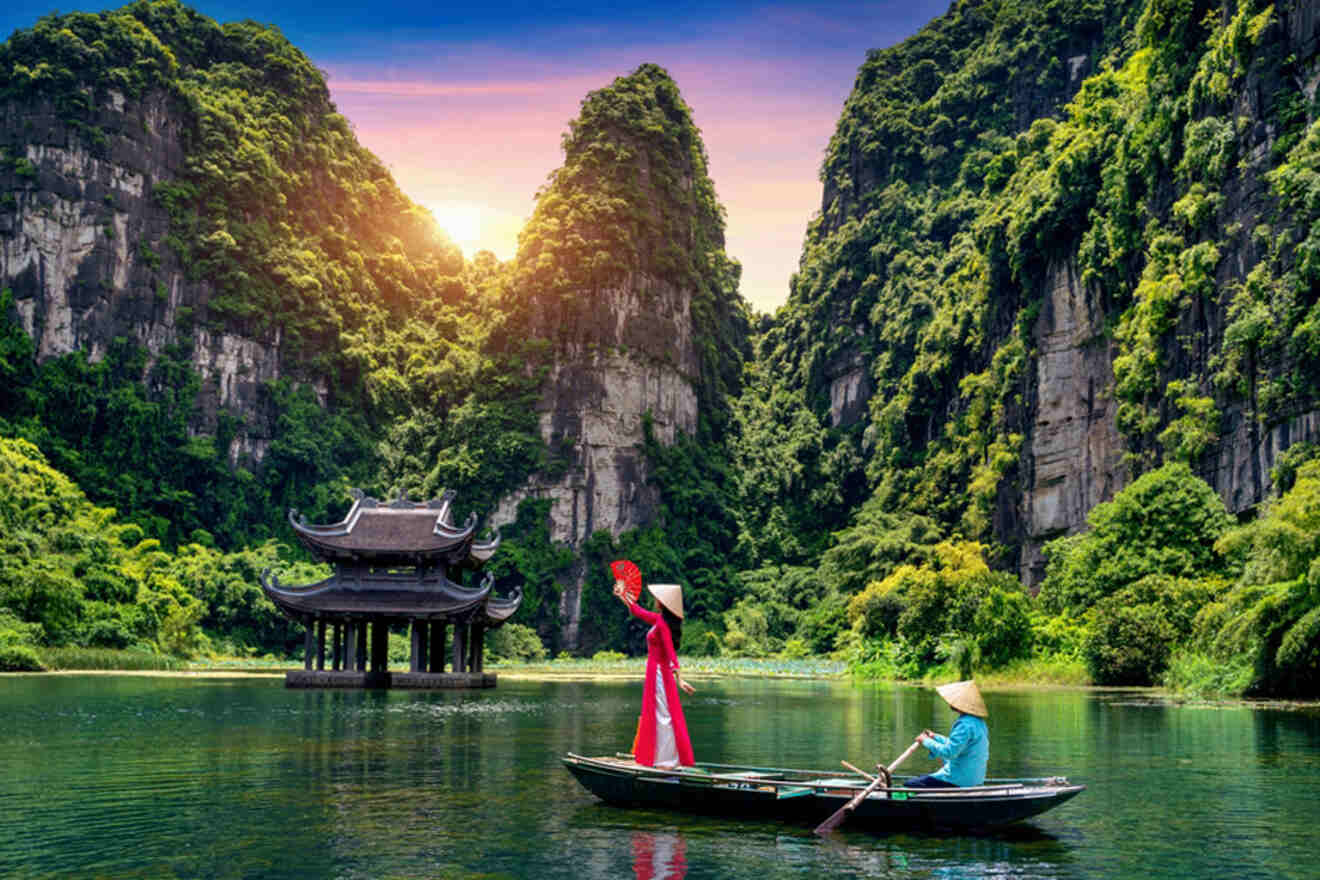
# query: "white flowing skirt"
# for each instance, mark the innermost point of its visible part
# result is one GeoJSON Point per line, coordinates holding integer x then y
{"type": "Point", "coordinates": [666, 749]}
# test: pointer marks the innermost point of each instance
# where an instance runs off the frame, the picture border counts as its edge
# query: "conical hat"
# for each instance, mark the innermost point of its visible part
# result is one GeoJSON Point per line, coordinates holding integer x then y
{"type": "Point", "coordinates": [963, 696]}
{"type": "Point", "coordinates": [670, 596]}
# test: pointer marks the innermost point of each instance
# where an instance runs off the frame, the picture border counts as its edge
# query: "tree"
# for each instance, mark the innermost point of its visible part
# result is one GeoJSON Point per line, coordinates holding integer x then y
{"type": "Point", "coordinates": [1166, 522]}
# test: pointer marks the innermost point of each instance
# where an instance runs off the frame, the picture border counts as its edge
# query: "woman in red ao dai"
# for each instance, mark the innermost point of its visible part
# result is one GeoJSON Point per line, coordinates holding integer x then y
{"type": "Point", "coordinates": [662, 736]}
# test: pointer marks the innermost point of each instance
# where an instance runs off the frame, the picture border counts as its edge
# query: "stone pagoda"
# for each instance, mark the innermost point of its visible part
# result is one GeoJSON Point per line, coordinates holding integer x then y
{"type": "Point", "coordinates": [394, 562]}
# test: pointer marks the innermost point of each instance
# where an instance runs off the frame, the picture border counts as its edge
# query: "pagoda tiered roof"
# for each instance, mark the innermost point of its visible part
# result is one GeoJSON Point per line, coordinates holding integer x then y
{"type": "Point", "coordinates": [399, 532]}
{"type": "Point", "coordinates": [393, 561]}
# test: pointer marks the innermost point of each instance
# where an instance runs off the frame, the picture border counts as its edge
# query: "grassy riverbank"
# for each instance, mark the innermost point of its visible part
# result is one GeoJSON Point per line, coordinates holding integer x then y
{"type": "Point", "coordinates": [1024, 673]}
{"type": "Point", "coordinates": [1051, 671]}
{"type": "Point", "coordinates": [693, 667]}
{"type": "Point", "coordinates": [70, 659]}
{"type": "Point", "coordinates": [1031, 674]}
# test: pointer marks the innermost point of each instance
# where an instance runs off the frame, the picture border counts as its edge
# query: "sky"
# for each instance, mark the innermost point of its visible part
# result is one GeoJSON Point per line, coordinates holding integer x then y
{"type": "Point", "coordinates": [466, 103]}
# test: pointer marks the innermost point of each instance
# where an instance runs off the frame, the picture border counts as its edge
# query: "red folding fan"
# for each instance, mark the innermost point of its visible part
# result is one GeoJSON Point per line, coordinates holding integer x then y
{"type": "Point", "coordinates": [630, 575]}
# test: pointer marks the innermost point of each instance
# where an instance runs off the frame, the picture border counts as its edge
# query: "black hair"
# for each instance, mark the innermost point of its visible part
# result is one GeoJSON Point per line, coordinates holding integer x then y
{"type": "Point", "coordinates": [675, 624]}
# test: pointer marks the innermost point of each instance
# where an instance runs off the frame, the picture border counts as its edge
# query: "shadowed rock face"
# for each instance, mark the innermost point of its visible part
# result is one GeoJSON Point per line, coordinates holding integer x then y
{"type": "Point", "coordinates": [83, 249]}
{"type": "Point", "coordinates": [1075, 452]}
{"type": "Point", "coordinates": [640, 360]}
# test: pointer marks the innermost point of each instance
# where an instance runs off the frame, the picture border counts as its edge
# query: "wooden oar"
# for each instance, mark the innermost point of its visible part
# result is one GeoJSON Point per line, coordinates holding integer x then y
{"type": "Point", "coordinates": [859, 772]}
{"type": "Point", "coordinates": [842, 813]}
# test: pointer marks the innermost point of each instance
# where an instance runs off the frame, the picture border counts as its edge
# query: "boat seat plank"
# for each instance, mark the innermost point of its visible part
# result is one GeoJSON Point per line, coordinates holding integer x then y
{"type": "Point", "coordinates": [792, 792]}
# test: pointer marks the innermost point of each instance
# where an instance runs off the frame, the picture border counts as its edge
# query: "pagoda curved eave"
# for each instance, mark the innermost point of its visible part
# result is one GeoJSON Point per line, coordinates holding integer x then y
{"type": "Point", "coordinates": [500, 610]}
{"type": "Point", "coordinates": [332, 601]}
{"type": "Point", "coordinates": [347, 549]}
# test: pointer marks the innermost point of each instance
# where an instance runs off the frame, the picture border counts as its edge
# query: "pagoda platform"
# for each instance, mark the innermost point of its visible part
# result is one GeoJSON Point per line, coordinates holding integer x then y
{"type": "Point", "coordinates": [339, 678]}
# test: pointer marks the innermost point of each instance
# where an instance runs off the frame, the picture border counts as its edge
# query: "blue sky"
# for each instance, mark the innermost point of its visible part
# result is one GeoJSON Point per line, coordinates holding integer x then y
{"type": "Point", "coordinates": [467, 103]}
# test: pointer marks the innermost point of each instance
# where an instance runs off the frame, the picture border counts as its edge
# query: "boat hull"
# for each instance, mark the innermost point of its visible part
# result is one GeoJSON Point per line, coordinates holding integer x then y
{"type": "Point", "coordinates": [804, 796]}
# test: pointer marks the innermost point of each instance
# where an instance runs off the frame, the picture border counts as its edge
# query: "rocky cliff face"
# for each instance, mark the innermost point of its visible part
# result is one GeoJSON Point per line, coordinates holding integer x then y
{"type": "Point", "coordinates": [626, 247]}
{"type": "Point", "coordinates": [640, 362]}
{"type": "Point", "coordinates": [83, 248]}
{"type": "Point", "coordinates": [914, 111]}
{"type": "Point", "coordinates": [1013, 281]}
{"type": "Point", "coordinates": [1075, 456]}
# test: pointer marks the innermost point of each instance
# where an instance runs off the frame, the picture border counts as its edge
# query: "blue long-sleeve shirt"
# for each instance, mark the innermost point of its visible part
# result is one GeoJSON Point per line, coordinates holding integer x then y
{"type": "Point", "coordinates": [964, 751]}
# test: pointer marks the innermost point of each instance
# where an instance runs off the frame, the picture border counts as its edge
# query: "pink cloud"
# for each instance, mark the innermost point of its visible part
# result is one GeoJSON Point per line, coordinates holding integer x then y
{"type": "Point", "coordinates": [493, 144]}
{"type": "Point", "coordinates": [405, 89]}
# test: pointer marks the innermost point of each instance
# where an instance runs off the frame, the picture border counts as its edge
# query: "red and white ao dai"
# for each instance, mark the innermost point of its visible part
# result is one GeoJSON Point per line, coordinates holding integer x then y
{"type": "Point", "coordinates": [662, 735]}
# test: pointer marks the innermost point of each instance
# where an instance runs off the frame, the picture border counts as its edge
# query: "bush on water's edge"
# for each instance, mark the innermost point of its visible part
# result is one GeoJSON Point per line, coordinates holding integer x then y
{"type": "Point", "coordinates": [19, 658]}
{"type": "Point", "coordinates": [1199, 676]}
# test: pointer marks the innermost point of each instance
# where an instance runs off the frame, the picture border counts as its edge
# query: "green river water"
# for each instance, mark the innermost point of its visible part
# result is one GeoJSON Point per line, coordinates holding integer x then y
{"type": "Point", "coordinates": [120, 776]}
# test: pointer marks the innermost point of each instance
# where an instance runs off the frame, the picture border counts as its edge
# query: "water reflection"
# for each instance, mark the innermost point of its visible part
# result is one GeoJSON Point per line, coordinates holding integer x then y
{"type": "Point", "coordinates": [128, 777]}
{"type": "Point", "coordinates": [659, 856]}
{"type": "Point", "coordinates": [1017, 852]}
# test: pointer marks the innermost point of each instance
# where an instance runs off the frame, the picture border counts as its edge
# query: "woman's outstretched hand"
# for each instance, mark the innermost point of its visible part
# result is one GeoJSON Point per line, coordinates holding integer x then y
{"type": "Point", "coordinates": [685, 687]}
{"type": "Point", "coordinates": [620, 590]}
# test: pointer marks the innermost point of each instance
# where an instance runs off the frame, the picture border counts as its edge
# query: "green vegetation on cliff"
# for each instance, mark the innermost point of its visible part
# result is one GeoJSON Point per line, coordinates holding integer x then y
{"type": "Point", "coordinates": [634, 202]}
{"type": "Point", "coordinates": [901, 285]}
{"type": "Point", "coordinates": [408, 370]}
{"type": "Point", "coordinates": [946, 217]}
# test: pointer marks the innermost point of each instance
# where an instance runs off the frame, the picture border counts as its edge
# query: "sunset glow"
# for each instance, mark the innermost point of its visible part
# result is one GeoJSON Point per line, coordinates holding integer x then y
{"type": "Point", "coordinates": [461, 221]}
{"type": "Point", "coordinates": [466, 103]}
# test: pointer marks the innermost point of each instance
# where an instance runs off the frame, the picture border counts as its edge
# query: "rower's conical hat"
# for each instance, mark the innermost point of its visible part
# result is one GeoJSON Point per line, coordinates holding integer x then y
{"type": "Point", "coordinates": [963, 696]}
{"type": "Point", "coordinates": [670, 596]}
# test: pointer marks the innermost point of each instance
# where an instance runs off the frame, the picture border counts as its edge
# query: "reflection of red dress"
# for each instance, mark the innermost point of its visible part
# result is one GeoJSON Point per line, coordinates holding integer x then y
{"type": "Point", "coordinates": [659, 856]}
{"type": "Point", "coordinates": [659, 656]}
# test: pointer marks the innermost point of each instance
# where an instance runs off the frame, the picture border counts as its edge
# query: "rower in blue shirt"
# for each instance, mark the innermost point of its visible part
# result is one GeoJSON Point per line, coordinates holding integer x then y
{"type": "Point", "coordinates": [966, 749]}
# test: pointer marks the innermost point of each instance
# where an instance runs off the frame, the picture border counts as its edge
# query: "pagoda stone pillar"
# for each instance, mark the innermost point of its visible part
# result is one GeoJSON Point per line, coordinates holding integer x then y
{"type": "Point", "coordinates": [350, 645]}
{"type": "Point", "coordinates": [477, 638]}
{"type": "Point", "coordinates": [309, 644]}
{"type": "Point", "coordinates": [320, 644]}
{"type": "Point", "coordinates": [362, 646]}
{"type": "Point", "coordinates": [437, 646]}
{"type": "Point", "coordinates": [380, 647]}
{"type": "Point", "coordinates": [336, 647]}
{"type": "Point", "coordinates": [415, 649]}
{"type": "Point", "coordinates": [460, 647]}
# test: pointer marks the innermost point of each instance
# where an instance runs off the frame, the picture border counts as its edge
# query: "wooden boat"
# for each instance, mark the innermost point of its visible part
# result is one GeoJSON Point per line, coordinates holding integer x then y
{"type": "Point", "coordinates": [812, 795]}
